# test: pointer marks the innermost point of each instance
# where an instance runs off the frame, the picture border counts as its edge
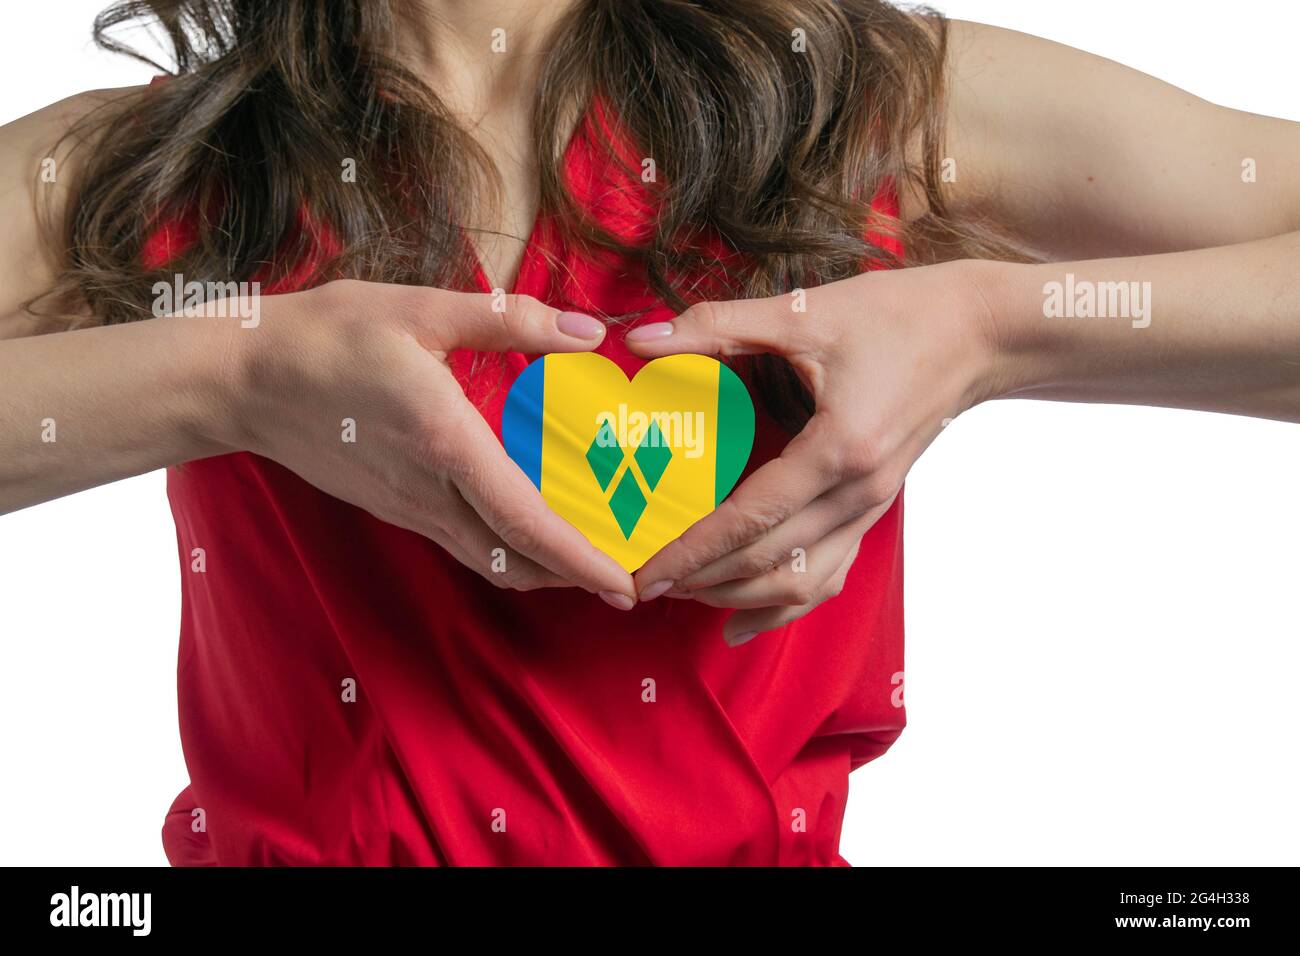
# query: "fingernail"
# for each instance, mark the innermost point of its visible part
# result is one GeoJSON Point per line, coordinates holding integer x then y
{"type": "Point", "coordinates": [579, 326]}
{"type": "Point", "coordinates": [735, 640]}
{"type": "Point", "coordinates": [648, 333]}
{"type": "Point", "coordinates": [656, 589]}
{"type": "Point", "coordinates": [617, 599]}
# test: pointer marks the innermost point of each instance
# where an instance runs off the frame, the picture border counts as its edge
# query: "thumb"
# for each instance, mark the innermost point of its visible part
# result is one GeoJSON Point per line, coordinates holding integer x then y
{"type": "Point", "coordinates": [512, 323]}
{"type": "Point", "coordinates": [734, 327]}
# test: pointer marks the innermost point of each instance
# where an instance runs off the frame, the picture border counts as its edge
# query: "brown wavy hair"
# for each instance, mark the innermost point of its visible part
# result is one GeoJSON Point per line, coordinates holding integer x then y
{"type": "Point", "coordinates": [775, 151]}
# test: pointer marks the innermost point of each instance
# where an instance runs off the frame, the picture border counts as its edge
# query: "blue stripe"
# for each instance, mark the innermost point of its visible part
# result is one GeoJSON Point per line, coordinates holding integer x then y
{"type": "Point", "coordinates": [521, 420]}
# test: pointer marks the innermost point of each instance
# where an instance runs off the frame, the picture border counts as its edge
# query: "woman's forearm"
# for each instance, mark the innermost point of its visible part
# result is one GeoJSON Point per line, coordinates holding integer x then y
{"type": "Point", "coordinates": [1212, 329]}
{"type": "Point", "coordinates": [83, 408]}
{"type": "Point", "coordinates": [346, 385]}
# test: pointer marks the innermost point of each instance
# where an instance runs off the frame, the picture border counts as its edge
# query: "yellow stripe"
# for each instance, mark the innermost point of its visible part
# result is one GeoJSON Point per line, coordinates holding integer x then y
{"type": "Point", "coordinates": [579, 389]}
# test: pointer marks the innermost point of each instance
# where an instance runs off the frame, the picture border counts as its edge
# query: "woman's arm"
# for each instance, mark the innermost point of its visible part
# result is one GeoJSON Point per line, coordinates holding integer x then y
{"type": "Point", "coordinates": [81, 408]}
{"type": "Point", "coordinates": [1076, 157]}
{"type": "Point", "coordinates": [84, 408]}
{"type": "Point", "coordinates": [88, 407]}
{"type": "Point", "coordinates": [892, 357]}
{"type": "Point", "coordinates": [1218, 329]}
{"type": "Point", "coordinates": [1080, 157]}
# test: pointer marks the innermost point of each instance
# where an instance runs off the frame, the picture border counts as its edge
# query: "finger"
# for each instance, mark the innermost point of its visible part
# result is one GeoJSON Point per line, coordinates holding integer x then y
{"type": "Point", "coordinates": [474, 545]}
{"type": "Point", "coordinates": [511, 506]}
{"type": "Point", "coordinates": [780, 488]}
{"type": "Point", "coordinates": [505, 323]}
{"type": "Point", "coordinates": [793, 584]}
{"type": "Point", "coordinates": [744, 626]}
{"type": "Point", "coordinates": [736, 327]}
{"type": "Point", "coordinates": [847, 504]}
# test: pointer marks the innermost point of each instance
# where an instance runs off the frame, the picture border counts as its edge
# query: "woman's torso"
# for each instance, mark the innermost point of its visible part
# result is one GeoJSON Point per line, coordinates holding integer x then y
{"type": "Point", "coordinates": [350, 694]}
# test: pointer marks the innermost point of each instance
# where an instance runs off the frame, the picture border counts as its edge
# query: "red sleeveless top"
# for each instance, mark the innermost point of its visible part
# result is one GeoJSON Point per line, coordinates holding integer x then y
{"type": "Point", "coordinates": [499, 727]}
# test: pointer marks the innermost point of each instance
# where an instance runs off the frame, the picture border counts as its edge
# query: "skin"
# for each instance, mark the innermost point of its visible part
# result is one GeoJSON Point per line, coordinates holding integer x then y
{"type": "Point", "coordinates": [1066, 149]}
{"type": "Point", "coordinates": [1060, 146]}
{"type": "Point", "coordinates": [492, 96]}
{"type": "Point", "coordinates": [129, 399]}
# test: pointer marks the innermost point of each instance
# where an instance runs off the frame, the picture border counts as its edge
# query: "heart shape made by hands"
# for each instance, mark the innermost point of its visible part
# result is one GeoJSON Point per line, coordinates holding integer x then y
{"type": "Point", "coordinates": [629, 464]}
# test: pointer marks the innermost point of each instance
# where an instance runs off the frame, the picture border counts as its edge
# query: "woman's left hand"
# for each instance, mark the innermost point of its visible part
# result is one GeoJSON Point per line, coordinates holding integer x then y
{"type": "Point", "coordinates": [889, 357]}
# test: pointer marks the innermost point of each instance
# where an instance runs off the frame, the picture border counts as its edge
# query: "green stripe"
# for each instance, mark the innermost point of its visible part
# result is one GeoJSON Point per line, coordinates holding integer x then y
{"type": "Point", "coordinates": [735, 432]}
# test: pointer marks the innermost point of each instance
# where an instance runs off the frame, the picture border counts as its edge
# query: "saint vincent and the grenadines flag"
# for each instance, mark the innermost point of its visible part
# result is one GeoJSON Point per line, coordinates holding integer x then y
{"type": "Point", "coordinates": [630, 464]}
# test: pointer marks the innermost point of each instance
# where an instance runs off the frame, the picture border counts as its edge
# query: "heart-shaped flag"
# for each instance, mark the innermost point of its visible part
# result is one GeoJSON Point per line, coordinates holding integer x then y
{"type": "Point", "coordinates": [629, 464]}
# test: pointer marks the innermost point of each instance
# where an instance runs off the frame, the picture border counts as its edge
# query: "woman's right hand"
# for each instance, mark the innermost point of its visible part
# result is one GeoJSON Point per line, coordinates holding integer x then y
{"type": "Point", "coordinates": [423, 457]}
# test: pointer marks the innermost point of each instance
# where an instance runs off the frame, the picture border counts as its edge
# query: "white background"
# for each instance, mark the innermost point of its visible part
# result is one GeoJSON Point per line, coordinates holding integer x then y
{"type": "Point", "coordinates": [1102, 602]}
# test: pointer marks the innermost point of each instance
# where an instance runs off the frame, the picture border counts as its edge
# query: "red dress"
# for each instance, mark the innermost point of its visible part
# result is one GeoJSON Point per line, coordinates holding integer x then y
{"type": "Point", "coordinates": [498, 727]}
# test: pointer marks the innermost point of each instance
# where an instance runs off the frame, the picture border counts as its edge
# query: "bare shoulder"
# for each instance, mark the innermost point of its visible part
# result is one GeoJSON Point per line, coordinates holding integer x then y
{"type": "Point", "coordinates": [985, 71]}
{"type": "Point", "coordinates": [1080, 156]}
{"type": "Point", "coordinates": [32, 146]}
{"type": "Point", "coordinates": [39, 154]}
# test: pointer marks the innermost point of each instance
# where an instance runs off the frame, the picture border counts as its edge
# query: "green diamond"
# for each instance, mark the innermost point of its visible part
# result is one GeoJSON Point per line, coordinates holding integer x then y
{"type": "Point", "coordinates": [627, 503]}
{"type": "Point", "coordinates": [605, 455]}
{"type": "Point", "coordinates": [653, 455]}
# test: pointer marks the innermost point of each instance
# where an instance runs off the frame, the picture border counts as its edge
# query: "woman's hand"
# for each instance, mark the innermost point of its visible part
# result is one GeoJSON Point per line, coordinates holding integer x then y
{"type": "Point", "coordinates": [889, 357]}
{"type": "Point", "coordinates": [423, 458]}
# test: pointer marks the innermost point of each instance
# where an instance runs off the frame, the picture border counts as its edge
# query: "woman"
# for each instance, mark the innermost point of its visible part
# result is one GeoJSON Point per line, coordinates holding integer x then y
{"type": "Point", "coordinates": [391, 650]}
